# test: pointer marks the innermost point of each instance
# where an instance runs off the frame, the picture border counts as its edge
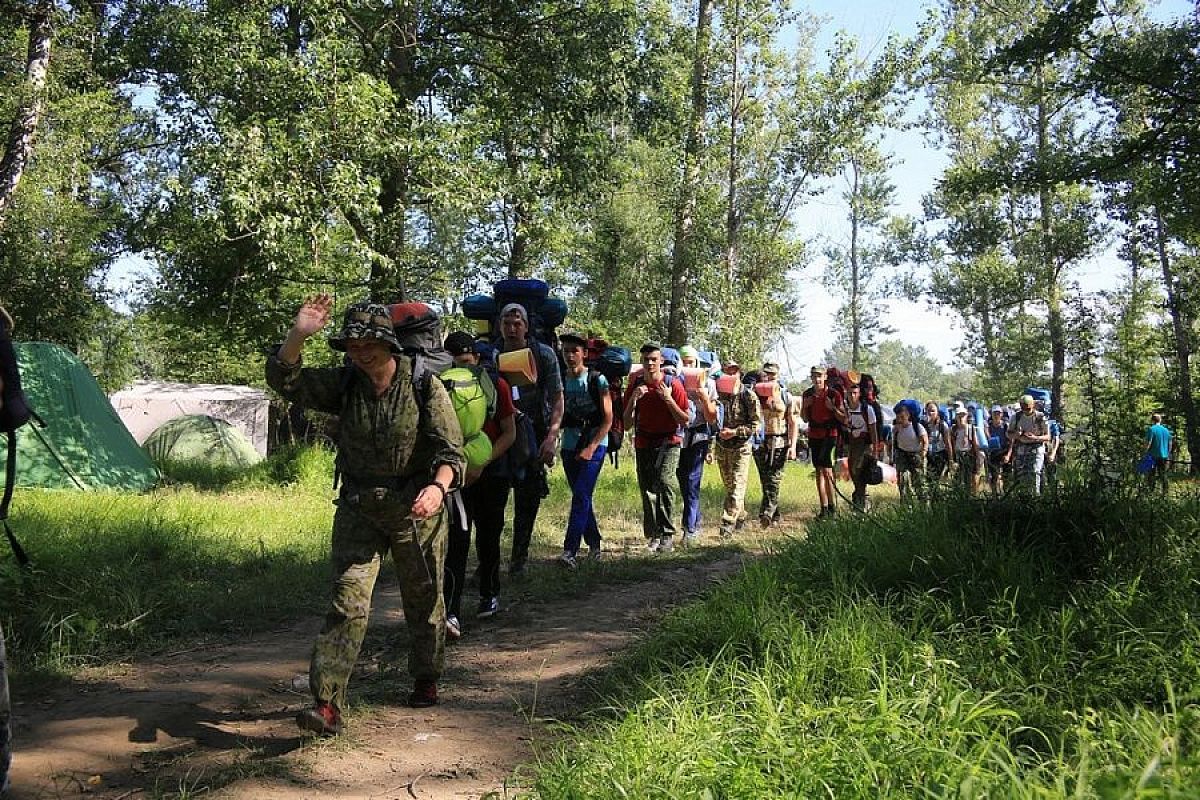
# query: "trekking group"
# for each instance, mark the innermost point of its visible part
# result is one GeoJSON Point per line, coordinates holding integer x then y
{"type": "Point", "coordinates": [434, 433]}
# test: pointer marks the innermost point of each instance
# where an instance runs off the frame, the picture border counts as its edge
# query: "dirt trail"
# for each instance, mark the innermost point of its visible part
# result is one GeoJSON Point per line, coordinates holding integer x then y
{"type": "Point", "coordinates": [217, 720]}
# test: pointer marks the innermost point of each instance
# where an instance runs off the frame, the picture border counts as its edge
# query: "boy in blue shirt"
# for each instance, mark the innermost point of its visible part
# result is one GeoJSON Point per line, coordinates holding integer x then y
{"type": "Point", "coordinates": [1158, 447]}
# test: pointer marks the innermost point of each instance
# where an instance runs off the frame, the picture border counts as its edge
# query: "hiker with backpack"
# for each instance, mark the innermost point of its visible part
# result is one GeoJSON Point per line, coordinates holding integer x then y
{"type": "Point", "coordinates": [740, 418]}
{"type": "Point", "coordinates": [909, 444]}
{"type": "Point", "coordinates": [586, 420]}
{"type": "Point", "coordinates": [399, 452]}
{"type": "Point", "coordinates": [697, 438]}
{"type": "Point", "coordinates": [656, 410]}
{"type": "Point", "coordinates": [778, 443]}
{"type": "Point", "coordinates": [484, 497]}
{"type": "Point", "coordinates": [965, 443]}
{"type": "Point", "coordinates": [542, 402]}
{"type": "Point", "coordinates": [940, 451]}
{"type": "Point", "coordinates": [825, 412]}
{"type": "Point", "coordinates": [1028, 434]}
{"type": "Point", "coordinates": [862, 439]}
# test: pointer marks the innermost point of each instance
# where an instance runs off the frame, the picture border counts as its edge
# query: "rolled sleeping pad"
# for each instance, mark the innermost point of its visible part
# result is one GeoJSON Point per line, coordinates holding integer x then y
{"type": "Point", "coordinates": [979, 422]}
{"type": "Point", "coordinates": [480, 307]}
{"type": "Point", "coordinates": [518, 367]}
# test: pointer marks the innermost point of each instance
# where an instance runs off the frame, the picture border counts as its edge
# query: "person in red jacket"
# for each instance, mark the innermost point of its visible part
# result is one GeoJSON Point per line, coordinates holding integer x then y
{"type": "Point", "coordinates": [825, 413]}
{"type": "Point", "coordinates": [656, 409]}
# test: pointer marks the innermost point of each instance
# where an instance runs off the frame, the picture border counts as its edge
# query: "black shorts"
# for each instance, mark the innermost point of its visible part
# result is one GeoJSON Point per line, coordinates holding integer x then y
{"type": "Point", "coordinates": [822, 451]}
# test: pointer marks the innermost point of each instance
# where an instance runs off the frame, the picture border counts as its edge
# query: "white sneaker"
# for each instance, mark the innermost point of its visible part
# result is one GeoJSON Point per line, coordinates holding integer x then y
{"type": "Point", "coordinates": [453, 629]}
{"type": "Point", "coordinates": [567, 559]}
{"type": "Point", "coordinates": [652, 545]}
{"type": "Point", "coordinates": [666, 544]}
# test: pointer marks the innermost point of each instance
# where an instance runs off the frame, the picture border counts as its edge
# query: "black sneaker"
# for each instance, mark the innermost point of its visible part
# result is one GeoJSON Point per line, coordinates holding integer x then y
{"type": "Point", "coordinates": [488, 606]}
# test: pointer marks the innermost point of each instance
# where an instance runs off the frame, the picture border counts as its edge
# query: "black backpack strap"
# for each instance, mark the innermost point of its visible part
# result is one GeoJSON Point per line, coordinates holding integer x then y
{"type": "Point", "coordinates": [10, 480]}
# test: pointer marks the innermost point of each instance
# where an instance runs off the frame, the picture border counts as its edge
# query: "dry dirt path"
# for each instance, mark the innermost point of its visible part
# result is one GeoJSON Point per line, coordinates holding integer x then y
{"type": "Point", "coordinates": [217, 720]}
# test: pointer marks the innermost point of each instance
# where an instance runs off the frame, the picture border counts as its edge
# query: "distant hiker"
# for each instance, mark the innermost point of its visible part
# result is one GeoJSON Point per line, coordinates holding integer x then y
{"type": "Point", "coordinates": [697, 439]}
{"type": "Point", "coordinates": [586, 421]}
{"type": "Point", "coordinates": [543, 404]}
{"type": "Point", "coordinates": [399, 452]}
{"type": "Point", "coordinates": [740, 418]}
{"type": "Point", "coordinates": [997, 435]}
{"type": "Point", "coordinates": [825, 412]}
{"type": "Point", "coordinates": [1053, 448]}
{"type": "Point", "coordinates": [1028, 434]}
{"type": "Point", "coordinates": [656, 409]}
{"type": "Point", "coordinates": [909, 444]}
{"type": "Point", "coordinates": [965, 442]}
{"type": "Point", "coordinates": [484, 497]}
{"type": "Point", "coordinates": [778, 443]}
{"type": "Point", "coordinates": [1158, 447]}
{"type": "Point", "coordinates": [862, 439]}
{"type": "Point", "coordinates": [940, 453]}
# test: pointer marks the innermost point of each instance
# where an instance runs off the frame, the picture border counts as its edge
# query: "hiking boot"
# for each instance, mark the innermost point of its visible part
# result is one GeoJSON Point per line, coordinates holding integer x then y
{"type": "Point", "coordinates": [453, 629]}
{"type": "Point", "coordinates": [726, 534]}
{"type": "Point", "coordinates": [691, 538]}
{"type": "Point", "coordinates": [323, 719]}
{"type": "Point", "coordinates": [666, 544]}
{"type": "Point", "coordinates": [567, 559]}
{"type": "Point", "coordinates": [595, 554]}
{"type": "Point", "coordinates": [424, 694]}
{"type": "Point", "coordinates": [488, 606]}
{"type": "Point", "coordinates": [741, 523]}
{"type": "Point", "coordinates": [764, 520]}
{"type": "Point", "coordinates": [652, 544]}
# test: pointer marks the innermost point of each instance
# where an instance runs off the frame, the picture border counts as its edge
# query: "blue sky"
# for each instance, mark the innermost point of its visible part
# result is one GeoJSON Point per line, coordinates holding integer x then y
{"type": "Point", "coordinates": [917, 168]}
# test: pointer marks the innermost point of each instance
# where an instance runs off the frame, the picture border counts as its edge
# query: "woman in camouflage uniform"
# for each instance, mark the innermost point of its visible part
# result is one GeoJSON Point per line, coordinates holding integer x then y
{"type": "Point", "coordinates": [399, 451]}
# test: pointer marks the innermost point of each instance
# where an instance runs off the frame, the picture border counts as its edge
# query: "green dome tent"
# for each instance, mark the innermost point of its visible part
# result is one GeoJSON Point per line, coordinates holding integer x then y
{"type": "Point", "coordinates": [84, 444]}
{"type": "Point", "coordinates": [202, 438]}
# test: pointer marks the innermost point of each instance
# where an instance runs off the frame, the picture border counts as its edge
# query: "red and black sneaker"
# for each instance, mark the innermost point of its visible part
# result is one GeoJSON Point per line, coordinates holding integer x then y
{"type": "Point", "coordinates": [424, 694]}
{"type": "Point", "coordinates": [323, 719]}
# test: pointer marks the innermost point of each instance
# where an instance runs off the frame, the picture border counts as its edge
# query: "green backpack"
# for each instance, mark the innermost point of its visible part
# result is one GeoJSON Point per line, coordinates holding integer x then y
{"type": "Point", "coordinates": [473, 396]}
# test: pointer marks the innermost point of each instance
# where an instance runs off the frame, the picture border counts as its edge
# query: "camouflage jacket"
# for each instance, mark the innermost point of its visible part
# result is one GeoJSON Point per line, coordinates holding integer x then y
{"type": "Point", "coordinates": [384, 437]}
{"type": "Point", "coordinates": [741, 415]}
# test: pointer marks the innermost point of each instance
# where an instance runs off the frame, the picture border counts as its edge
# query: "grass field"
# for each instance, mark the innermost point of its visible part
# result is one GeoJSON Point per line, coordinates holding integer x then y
{"type": "Point", "coordinates": [228, 552]}
{"type": "Point", "coordinates": [975, 649]}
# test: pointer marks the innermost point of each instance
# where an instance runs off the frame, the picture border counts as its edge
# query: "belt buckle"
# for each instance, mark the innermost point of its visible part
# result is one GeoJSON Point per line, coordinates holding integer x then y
{"type": "Point", "coordinates": [379, 493]}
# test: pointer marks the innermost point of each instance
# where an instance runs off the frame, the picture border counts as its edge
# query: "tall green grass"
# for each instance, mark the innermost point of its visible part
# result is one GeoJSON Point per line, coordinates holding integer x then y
{"type": "Point", "coordinates": [972, 649]}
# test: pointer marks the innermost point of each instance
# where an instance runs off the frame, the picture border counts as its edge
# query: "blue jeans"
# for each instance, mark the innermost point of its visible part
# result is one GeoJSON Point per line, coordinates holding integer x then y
{"type": "Point", "coordinates": [690, 473]}
{"type": "Point", "coordinates": [581, 476]}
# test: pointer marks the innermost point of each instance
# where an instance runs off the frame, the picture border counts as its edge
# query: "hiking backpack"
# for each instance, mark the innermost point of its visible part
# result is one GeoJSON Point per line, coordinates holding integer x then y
{"type": "Point", "coordinates": [418, 329]}
{"type": "Point", "coordinates": [614, 363]}
{"type": "Point", "coordinates": [545, 313]}
{"type": "Point", "coordinates": [525, 448]}
{"type": "Point", "coordinates": [14, 412]}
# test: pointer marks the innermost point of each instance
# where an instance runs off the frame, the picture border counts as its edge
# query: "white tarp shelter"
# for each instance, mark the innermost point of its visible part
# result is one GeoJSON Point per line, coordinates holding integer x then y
{"type": "Point", "coordinates": [145, 405]}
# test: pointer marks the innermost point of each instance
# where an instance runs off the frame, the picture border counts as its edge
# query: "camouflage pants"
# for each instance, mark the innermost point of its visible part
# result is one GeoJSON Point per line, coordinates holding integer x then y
{"type": "Point", "coordinates": [363, 533]}
{"type": "Point", "coordinates": [770, 462]}
{"type": "Point", "coordinates": [5, 727]}
{"type": "Point", "coordinates": [735, 473]}
{"type": "Point", "coordinates": [1027, 467]}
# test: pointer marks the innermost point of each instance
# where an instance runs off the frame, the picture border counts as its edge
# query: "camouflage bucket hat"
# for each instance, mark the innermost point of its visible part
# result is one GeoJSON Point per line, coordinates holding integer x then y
{"type": "Point", "coordinates": [366, 321]}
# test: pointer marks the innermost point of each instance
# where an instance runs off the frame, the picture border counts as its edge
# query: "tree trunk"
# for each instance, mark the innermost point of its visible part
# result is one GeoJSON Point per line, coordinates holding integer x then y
{"type": "Point", "coordinates": [855, 299]}
{"type": "Point", "coordinates": [731, 215]}
{"type": "Point", "coordinates": [19, 147]}
{"type": "Point", "coordinates": [1181, 325]}
{"type": "Point", "coordinates": [1050, 266]}
{"type": "Point", "coordinates": [682, 256]}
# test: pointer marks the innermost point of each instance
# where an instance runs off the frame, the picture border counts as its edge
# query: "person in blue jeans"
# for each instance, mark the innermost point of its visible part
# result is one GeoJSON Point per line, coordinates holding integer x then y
{"type": "Point", "coordinates": [586, 419]}
{"type": "Point", "coordinates": [697, 438]}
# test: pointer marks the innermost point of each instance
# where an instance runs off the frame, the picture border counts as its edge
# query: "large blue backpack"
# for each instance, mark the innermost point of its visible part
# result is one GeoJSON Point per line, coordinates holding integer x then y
{"type": "Point", "coordinates": [545, 313]}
